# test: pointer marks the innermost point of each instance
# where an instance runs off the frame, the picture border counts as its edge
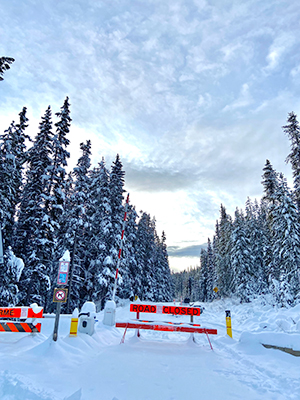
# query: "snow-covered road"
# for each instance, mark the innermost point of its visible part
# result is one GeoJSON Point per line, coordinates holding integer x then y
{"type": "Point", "coordinates": [159, 365]}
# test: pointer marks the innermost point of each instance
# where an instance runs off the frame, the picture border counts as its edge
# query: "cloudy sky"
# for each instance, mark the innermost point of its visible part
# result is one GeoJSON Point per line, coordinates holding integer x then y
{"type": "Point", "coordinates": [191, 93]}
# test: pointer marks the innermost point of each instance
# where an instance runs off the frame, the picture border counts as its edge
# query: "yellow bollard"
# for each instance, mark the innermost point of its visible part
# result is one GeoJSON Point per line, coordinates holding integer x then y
{"type": "Point", "coordinates": [228, 323]}
{"type": "Point", "coordinates": [74, 323]}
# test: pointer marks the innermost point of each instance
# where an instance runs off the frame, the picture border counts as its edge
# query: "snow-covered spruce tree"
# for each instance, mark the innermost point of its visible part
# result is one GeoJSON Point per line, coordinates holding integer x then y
{"type": "Point", "coordinates": [131, 275]}
{"type": "Point", "coordinates": [292, 130]}
{"type": "Point", "coordinates": [254, 234]}
{"type": "Point", "coordinates": [8, 177]}
{"type": "Point", "coordinates": [259, 234]}
{"type": "Point", "coordinates": [206, 274]}
{"type": "Point", "coordinates": [210, 271]}
{"type": "Point", "coordinates": [196, 286]}
{"type": "Point", "coordinates": [178, 284]}
{"type": "Point", "coordinates": [12, 159]}
{"type": "Point", "coordinates": [99, 213]}
{"type": "Point", "coordinates": [223, 261]}
{"type": "Point", "coordinates": [216, 259]}
{"type": "Point", "coordinates": [269, 182]}
{"type": "Point", "coordinates": [55, 201]}
{"type": "Point", "coordinates": [286, 244]}
{"type": "Point", "coordinates": [203, 275]}
{"type": "Point", "coordinates": [77, 226]}
{"type": "Point", "coordinates": [162, 269]}
{"type": "Point", "coordinates": [116, 190]}
{"type": "Point", "coordinates": [241, 261]}
{"type": "Point", "coordinates": [145, 247]}
{"type": "Point", "coordinates": [32, 241]}
{"type": "Point", "coordinates": [10, 272]}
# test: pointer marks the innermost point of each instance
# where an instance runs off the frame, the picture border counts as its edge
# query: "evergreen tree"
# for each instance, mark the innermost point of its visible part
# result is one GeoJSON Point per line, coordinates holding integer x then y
{"type": "Point", "coordinates": [77, 230]}
{"type": "Point", "coordinates": [259, 235]}
{"type": "Point", "coordinates": [10, 273]}
{"type": "Point", "coordinates": [12, 159]}
{"type": "Point", "coordinates": [163, 276]}
{"type": "Point", "coordinates": [7, 180]}
{"type": "Point", "coordinates": [32, 242]}
{"type": "Point", "coordinates": [223, 262]}
{"type": "Point", "coordinates": [241, 260]}
{"type": "Point", "coordinates": [144, 254]}
{"type": "Point", "coordinates": [131, 275]}
{"type": "Point", "coordinates": [210, 271]}
{"type": "Point", "coordinates": [286, 245]}
{"type": "Point", "coordinates": [203, 275]}
{"type": "Point", "coordinates": [55, 201]}
{"type": "Point", "coordinates": [101, 230]}
{"type": "Point", "coordinates": [269, 183]}
{"type": "Point", "coordinates": [116, 184]}
{"type": "Point", "coordinates": [292, 130]}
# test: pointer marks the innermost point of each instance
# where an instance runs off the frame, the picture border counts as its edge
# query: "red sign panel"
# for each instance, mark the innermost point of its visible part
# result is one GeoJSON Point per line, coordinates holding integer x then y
{"type": "Point", "coordinates": [19, 312]}
{"type": "Point", "coordinates": [150, 308]}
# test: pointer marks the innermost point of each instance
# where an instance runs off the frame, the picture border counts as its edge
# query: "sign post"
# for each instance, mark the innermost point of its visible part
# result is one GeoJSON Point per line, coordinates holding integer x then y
{"type": "Point", "coordinates": [60, 294]}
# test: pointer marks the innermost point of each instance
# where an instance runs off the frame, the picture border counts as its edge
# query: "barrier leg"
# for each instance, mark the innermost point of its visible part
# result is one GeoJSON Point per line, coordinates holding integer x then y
{"type": "Point", "coordinates": [138, 331]}
{"type": "Point", "coordinates": [123, 338]}
{"type": "Point", "coordinates": [208, 340]}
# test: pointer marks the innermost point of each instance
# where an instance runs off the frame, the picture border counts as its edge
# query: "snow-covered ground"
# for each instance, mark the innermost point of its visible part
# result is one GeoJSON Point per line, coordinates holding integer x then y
{"type": "Point", "coordinates": [159, 365]}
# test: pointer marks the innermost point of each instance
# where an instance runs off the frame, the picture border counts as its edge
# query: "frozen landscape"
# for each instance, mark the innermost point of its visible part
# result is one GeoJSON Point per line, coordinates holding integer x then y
{"type": "Point", "coordinates": [158, 365]}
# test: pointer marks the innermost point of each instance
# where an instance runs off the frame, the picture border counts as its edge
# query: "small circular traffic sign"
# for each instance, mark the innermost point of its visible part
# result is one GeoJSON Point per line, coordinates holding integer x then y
{"type": "Point", "coordinates": [60, 295]}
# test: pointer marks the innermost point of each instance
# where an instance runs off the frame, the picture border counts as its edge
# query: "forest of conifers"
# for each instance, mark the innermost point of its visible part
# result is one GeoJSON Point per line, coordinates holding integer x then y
{"type": "Point", "coordinates": [45, 211]}
{"type": "Point", "coordinates": [257, 251]}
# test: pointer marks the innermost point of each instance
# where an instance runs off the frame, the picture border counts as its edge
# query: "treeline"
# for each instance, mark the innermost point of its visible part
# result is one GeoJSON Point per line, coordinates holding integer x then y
{"type": "Point", "coordinates": [44, 211]}
{"type": "Point", "coordinates": [257, 251]}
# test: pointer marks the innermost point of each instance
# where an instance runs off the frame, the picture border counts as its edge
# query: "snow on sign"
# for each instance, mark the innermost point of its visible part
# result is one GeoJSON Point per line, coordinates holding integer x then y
{"type": "Point", "coordinates": [159, 309]}
{"type": "Point", "coordinates": [63, 271]}
{"type": "Point", "coordinates": [60, 295]}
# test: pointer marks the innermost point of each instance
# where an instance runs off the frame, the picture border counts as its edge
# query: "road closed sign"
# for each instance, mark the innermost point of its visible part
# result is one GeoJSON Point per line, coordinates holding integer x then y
{"type": "Point", "coordinates": [161, 309]}
{"type": "Point", "coordinates": [60, 295]}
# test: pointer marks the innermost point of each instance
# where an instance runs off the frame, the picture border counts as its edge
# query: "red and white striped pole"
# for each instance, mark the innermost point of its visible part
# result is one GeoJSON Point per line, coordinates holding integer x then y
{"type": "Point", "coordinates": [120, 250]}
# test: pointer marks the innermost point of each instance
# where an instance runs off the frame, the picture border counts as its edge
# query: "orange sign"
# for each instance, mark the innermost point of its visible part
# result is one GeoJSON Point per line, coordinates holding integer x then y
{"type": "Point", "coordinates": [149, 308]}
{"type": "Point", "coordinates": [19, 312]}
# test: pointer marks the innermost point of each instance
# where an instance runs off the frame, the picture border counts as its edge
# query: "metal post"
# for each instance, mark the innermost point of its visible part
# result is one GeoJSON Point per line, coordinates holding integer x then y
{"type": "Point", "coordinates": [58, 307]}
{"type": "Point", "coordinates": [71, 273]}
{"type": "Point", "coordinates": [120, 250]}
{"type": "Point", "coordinates": [228, 323]}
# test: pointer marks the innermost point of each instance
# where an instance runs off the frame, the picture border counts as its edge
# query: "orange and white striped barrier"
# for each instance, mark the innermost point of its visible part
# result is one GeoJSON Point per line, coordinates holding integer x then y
{"type": "Point", "coordinates": [20, 313]}
{"type": "Point", "coordinates": [23, 327]}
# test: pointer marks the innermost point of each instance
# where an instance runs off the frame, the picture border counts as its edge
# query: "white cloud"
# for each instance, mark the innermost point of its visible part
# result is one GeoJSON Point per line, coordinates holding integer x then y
{"type": "Point", "coordinates": [281, 45]}
{"type": "Point", "coordinates": [148, 80]}
{"type": "Point", "coordinates": [244, 100]}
